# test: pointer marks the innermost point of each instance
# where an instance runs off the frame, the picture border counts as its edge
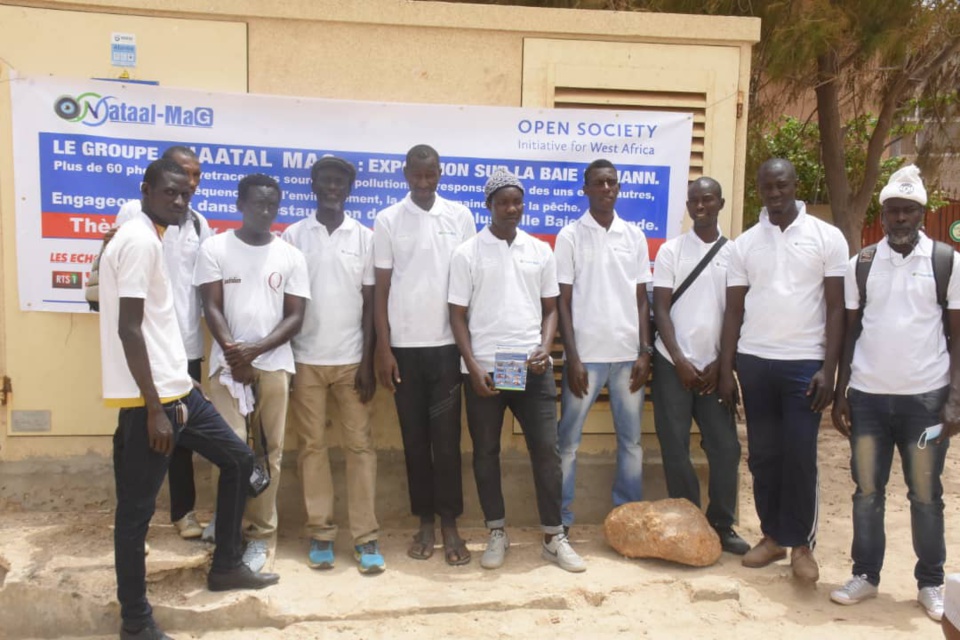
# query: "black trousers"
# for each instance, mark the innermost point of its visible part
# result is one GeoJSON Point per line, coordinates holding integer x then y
{"type": "Point", "coordinates": [428, 406]}
{"type": "Point", "coordinates": [536, 409]}
{"type": "Point", "coordinates": [782, 444]}
{"type": "Point", "coordinates": [139, 472]}
{"type": "Point", "coordinates": [183, 491]}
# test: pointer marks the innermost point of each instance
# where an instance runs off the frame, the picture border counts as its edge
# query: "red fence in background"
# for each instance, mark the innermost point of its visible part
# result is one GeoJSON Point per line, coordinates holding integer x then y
{"type": "Point", "coordinates": [937, 226]}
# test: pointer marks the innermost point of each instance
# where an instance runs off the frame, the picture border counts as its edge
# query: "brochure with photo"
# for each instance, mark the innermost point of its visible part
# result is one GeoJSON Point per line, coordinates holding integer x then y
{"type": "Point", "coordinates": [510, 368]}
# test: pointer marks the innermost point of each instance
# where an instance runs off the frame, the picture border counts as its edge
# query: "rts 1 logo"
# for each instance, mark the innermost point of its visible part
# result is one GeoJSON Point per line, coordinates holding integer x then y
{"type": "Point", "coordinates": [67, 280]}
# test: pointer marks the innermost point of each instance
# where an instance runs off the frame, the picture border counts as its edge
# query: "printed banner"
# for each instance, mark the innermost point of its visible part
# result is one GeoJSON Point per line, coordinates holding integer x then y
{"type": "Point", "coordinates": [81, 147]}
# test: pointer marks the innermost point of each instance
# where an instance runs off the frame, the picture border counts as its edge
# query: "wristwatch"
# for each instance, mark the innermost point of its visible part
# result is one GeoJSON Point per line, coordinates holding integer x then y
{"type": "Point", "coordinates": [646, 349]}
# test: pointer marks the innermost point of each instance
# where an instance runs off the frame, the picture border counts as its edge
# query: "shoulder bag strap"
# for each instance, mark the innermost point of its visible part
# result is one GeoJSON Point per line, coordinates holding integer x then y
{"type": "Point", "coordinates": [679, 291]}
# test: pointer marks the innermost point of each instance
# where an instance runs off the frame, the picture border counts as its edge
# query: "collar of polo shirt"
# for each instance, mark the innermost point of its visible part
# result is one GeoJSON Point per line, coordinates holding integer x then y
{"type": "Point", "coordinates": [615, 227]}
{"type": "Point", "coordinates": [486, 236]}
{"type": "Point", "coordinates": [798, 221]}
{"type": "Point", "coordinates": [413, 207]}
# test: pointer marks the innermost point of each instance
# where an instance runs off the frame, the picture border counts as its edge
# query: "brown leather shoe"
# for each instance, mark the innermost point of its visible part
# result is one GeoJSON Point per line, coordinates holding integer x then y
{"type": "Point", "coordinates": [804, 564]}
{"type": "Point", "coordinates": [765, 552]}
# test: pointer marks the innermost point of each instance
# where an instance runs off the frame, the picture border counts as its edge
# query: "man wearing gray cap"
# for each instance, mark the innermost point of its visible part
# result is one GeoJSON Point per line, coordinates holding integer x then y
{"type": "Point", "coordinates": [333, 354]}
{"type": "Point", "coordinates": [899, 386]}
{"type": "Point", "coordinates": [503, 313]}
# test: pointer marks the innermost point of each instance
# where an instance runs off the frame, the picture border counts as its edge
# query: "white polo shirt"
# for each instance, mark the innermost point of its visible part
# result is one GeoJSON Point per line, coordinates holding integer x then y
{"type": "Point", "coordinates": [339, 265]}
{"type": "Point", "coordinates": [180, 250]}
{"type": "Point", "coordinates": [132, 266]}
{"type": "Point", "coordinates": [417, 245]}
{"type": "Point", "coordinates": [502, 285]}
{"type": "Point", "coordinates": [255, 280]}
{"type": "Point", "coordinates": [604, 267]}
{"type": "Point", "coordinates": [902, 349]}
{"type": "Point", "coordinates": [698, 315]}
{"type": "Point", "coordinates": [785, 311]}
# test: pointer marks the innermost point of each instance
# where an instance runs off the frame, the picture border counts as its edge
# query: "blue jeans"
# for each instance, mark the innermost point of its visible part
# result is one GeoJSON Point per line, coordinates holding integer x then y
{"type": "Point", "coordinates": [782, 444]}
{"type": "Point", "coordinates": [880, 423]}
{"type": "Point", "coordinates": [626, 408]}
{"type": "Point", "coordinates": [674, 410]}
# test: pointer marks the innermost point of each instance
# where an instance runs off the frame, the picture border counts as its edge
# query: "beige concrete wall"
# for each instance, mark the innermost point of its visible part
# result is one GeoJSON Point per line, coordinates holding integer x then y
{"type": "Point", "coordinates": [393, 50]}
{"type": "Point", "coordinates": [53, 359]}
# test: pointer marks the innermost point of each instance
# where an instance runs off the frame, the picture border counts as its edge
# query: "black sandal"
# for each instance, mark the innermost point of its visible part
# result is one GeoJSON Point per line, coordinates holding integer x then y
{"type": "Point", "coordinates": [422, 546]}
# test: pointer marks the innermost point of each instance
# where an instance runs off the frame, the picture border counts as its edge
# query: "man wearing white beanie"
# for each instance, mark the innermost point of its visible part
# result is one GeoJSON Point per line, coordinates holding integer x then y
{"type": "Point", "coordinates": [899, 387]}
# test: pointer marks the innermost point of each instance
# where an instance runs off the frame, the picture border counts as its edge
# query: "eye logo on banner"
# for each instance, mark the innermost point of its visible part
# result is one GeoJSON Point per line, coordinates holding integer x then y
{"type": "Point", "coordinates": [77, 109]}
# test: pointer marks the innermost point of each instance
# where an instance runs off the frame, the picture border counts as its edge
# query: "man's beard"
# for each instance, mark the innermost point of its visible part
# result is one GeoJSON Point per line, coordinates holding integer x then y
{"type": "Point", "coordinates": [902, 238]}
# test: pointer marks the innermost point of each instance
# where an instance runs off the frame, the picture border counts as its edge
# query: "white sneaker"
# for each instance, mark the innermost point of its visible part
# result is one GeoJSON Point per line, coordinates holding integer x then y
{"type": "Point", "coordinates": [210, 531]}
{"type": "Point", "coordinates": [857, 589]}
{"type": "Point", "coordinates": [255, 555]}
{"type": "Point", "coordinates": [496, 551]}
{"type": "Point", "coordinates": [188, 526]}
{"type": "Point", "coordinates": [558, 550]}
{"type": "Point", "coordinates": [931, 599]}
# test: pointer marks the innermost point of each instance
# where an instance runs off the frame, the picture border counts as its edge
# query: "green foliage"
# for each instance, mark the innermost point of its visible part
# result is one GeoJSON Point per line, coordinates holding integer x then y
{"type": "Point", "coordinates": [799, 142]}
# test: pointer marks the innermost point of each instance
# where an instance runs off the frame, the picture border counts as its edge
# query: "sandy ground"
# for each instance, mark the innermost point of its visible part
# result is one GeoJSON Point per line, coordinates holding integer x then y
{"type": "Point", "coordinates": [60, 584]}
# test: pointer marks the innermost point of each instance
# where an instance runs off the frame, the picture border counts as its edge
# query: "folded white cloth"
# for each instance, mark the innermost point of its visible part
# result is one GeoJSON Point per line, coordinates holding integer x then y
{"type": "Point", "coordinates": [243, 393]}
{"type": "Point", "coordinates": [951, 599]}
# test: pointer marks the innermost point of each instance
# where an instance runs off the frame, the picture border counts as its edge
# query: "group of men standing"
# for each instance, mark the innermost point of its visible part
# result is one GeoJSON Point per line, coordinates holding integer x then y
{"type": "Point", "coordinates": [425, 304]}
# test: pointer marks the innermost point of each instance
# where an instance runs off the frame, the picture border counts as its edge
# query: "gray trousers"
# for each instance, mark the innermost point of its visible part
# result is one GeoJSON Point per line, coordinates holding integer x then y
{"type": "Point", "coordinates": [674, 409]}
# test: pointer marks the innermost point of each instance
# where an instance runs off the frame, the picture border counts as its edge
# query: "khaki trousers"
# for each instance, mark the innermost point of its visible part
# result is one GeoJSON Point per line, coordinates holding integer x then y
{"type": "Point", "coordinates": [272, 390]}
{"type": "Point", "coordinates": [308, 415]}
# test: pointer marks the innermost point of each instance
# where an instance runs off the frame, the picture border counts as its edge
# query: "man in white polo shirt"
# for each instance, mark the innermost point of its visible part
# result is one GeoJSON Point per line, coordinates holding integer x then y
{"type": "Point", "coordinates": [783, 328]}
{"type": "Point", "coordinates": [416, 357]}
{"type": "Point", "coordinates": [334, 357]}
{"type": "Point", "coordinates": [603, 267]}
{"type": "Point", "coordinates": [144, 369]}
{"type": "Point", "coordinates": [689, 295]}
{"type": "Point", "coordinates": [899, 386]}
{"type": "Point", "coordinates": [181, 246]}
{"type": "Point", "coordinates": [503, 293]}
{"type": "Point", "coordinates": [254, 288]}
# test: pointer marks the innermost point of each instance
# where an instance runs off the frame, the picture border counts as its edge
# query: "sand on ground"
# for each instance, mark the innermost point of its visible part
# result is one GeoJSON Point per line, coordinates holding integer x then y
{"type": "Point", "coordinates": [61, 579]}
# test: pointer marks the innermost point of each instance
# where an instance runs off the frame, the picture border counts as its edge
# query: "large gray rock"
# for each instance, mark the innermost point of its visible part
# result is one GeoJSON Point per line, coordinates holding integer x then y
{"type": "Point", "coordinates": [672, 529]}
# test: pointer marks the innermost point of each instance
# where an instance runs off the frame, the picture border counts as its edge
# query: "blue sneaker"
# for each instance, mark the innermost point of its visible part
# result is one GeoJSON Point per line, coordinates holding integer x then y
{"type": "Point", "coordinates": [321, 554]}
{"type": "Point", "coordinates": [368, 557]}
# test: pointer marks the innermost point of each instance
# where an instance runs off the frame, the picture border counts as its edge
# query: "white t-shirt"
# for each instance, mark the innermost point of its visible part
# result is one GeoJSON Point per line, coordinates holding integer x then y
{"type": "Point", "coordinates": [902, 349]}
{"type": "Point", "coordinates": [132, 266]}
{"type": "Point", "coordinates": [180, 250]}
{"type": "Point", "coordinates": [255, 280]}
{"type": "Point", "coordinates": [604, 268]}
{"type": "Point", "coordinates": [502, 285]}
{"type": "Point", "coordinates": [339, 265]}
{"type": "Point", "coordinates": [698, 315]}
{"type": "Point", "coordinates": [785, 311]}
{"type": "Point", "coordinates": [417, 245]}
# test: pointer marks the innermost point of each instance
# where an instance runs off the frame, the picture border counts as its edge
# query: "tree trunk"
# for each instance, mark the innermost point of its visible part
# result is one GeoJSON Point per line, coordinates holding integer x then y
{"type": "Point", "coordinates": [850, 223]}
{"type": "Point", "coordinates": [832, 151]}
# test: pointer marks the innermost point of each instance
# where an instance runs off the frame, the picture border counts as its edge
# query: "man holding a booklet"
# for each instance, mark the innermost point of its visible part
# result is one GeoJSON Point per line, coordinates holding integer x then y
{"type": "Point", "coordinates": [503, 313]}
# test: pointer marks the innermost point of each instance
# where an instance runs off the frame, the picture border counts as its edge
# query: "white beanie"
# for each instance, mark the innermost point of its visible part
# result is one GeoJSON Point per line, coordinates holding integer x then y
{"type": "Point", "coordinates": [905, 183]}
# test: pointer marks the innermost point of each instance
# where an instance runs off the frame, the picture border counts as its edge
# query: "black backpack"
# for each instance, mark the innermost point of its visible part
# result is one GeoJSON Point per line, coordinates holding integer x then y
{"type": "Point", "coordinates": [942, 259]}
